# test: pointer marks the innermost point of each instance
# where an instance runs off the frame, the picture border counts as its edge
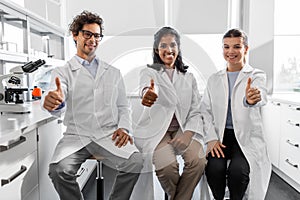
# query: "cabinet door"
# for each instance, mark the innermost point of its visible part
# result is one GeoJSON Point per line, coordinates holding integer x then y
{"type": "Point", "coordinates": [18, 170]}
{"type": "Point", "coordinates": [49, 135]}
{"type": "Point", "coordinates": [271, 115]}
{"type": "Point", "coordinates": [290, 142]}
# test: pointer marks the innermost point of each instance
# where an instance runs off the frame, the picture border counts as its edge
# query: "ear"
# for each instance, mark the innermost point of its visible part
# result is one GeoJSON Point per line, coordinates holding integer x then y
{"type": "Point", "coordinates": [156, 51]}
{"type": "Point", "coordinates": [246, 49]}
{"type": "Point", "coordinates": [74, 36]}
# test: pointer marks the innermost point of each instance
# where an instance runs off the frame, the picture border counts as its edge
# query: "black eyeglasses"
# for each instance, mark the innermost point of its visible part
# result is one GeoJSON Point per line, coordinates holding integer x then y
{"type": "Point", "coordinates": [88, 34]}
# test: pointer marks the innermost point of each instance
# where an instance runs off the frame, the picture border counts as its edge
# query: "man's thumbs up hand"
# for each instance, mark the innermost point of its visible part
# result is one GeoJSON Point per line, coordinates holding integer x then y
{"type": "Point", "coordinates": [54, 98]}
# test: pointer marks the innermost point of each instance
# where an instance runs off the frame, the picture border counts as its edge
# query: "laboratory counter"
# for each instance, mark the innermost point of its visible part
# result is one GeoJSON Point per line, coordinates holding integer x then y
{"type": "Point", "coordinates": [13, 125]}
{"type": "Point", "coordinates": [27, 142]}
{"type": "Point", "coordinates": [288, 98]}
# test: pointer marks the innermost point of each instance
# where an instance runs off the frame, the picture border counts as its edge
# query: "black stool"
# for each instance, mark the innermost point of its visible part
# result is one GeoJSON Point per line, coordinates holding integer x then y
{"type": "Point", "coordinates": [99, 179]}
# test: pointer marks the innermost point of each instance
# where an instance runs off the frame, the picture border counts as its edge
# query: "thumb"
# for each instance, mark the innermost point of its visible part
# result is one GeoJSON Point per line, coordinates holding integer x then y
{"type": "Point", "coordinates": [151, 84]}
{"type": "Point", "coordinates": [248, 84]}
{"type": "Point", "coordinates": [58, 85]}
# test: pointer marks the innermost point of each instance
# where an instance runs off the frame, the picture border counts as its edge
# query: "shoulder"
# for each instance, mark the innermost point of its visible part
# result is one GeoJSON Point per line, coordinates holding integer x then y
{"type": "Point", "coordinates": [217, 75]}
{"type": "Point", "coordinates": [254, 71]}
{"type": "Point", "coordinates": [149, 69]}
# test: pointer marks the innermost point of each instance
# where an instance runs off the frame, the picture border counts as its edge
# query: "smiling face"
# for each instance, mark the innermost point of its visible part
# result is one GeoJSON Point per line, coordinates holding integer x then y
{"type": "Point", "coordinates": [168, 50]}
{"type": "Point", "coordinates": [234, 52]}
{"type": "Point", "coordinates": [86, 48]}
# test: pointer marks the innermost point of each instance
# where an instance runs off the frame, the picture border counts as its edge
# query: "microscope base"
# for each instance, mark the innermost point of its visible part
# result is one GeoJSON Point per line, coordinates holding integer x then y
{"type": "Point", "coordinates": [15, 108]}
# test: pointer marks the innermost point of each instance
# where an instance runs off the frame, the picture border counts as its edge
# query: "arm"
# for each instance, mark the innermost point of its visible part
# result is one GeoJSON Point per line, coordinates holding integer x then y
{"type": "Point", "coordinates": [53, 99]}
{"type": "Point", "coordinates": [193, 126]}
{"type": "Point", "coordinates": [211, 138]}
{"type": "Point", "coordinates": [194, 121]}
{"type": "Point", "coordinates": [122, 135]}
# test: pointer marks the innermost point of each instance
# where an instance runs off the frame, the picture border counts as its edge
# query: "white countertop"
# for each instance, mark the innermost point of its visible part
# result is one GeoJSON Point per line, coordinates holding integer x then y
{"type": "Point", "coordinates": [13, 126]}
{"type": "Point", "coordinates": [290, 98]}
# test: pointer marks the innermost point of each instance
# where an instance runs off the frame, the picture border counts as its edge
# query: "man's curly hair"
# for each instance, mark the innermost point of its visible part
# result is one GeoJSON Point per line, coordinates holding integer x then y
{"type": "Point", "coordinates": [83, 18]}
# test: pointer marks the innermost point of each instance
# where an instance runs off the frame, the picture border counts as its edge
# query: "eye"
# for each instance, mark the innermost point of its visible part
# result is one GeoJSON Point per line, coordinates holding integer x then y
{"type": "Point", "coordinates": [97, 35]}
{"type": "Point", "coordinates": [173, 44]}
{"type": "Point", "coordinates": [163, 46]}
{"type": "Point", "coordinates": [237, 46]}
{"type": "Point", "coordinates": [88, 34]}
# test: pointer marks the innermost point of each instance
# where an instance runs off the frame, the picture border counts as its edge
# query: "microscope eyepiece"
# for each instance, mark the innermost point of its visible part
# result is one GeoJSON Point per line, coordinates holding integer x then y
{"type": "Point", "coordinates": [32, 66]}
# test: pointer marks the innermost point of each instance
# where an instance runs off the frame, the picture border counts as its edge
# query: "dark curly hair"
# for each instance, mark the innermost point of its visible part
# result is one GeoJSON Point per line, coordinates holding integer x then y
{"type": "Point", "coordinates": [157, 37]}
{"type": "Point", "coordinates": [83, 18]}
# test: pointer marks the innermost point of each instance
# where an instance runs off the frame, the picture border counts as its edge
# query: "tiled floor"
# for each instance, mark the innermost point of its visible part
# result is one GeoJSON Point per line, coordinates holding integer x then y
{"type": "Point", "coordinates": [278, 190]}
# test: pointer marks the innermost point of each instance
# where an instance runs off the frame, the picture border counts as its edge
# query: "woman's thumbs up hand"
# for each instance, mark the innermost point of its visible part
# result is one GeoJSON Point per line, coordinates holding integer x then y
{"type": "Point", "coordinates": [252, 94]}
{"type": "Point", "coordinates": [150, 96]}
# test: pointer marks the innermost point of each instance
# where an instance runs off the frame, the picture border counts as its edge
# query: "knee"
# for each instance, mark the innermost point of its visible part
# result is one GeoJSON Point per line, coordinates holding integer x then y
{"type": "Point", "coordinates": [58, 171]}
{"type": "Point", "coordinates": [215, 167]}
{"type": "Point", "coordinates": [169, 170]}
{"type": "Point", "coordinates": [137, 162]}
{"type": "Point", "coordinates": [238, 175]}
{"type": "Point", "coordinates": [196, 164]}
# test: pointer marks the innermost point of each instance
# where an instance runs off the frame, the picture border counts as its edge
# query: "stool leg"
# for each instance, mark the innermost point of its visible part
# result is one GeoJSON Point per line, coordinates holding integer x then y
{"type": "Point", "coordinates": [100, 181]}
{"type": "Point", "coordinates": [166, 196]}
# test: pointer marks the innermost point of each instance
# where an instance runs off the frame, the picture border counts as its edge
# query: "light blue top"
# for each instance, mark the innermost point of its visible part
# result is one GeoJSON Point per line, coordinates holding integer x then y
{"type": "Point", "coordinates": [232, 76]}
{"type": "Point", "coordinates": [92, 66]}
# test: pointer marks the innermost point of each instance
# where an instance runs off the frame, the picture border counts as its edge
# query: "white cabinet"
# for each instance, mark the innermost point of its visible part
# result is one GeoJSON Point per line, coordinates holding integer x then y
{"type": "Point", "coordinates": [282, 126]}
{"type": "Point", "coordinates": [290, 141]}
{"type": "Point", "coordinates": [271, 115]}
{"type": "Point", "coordinates": [18, 168]}
{"type": "Point", "coordinates": [48, 136]}
{"type": "Point", "coordinates": [24, 36]}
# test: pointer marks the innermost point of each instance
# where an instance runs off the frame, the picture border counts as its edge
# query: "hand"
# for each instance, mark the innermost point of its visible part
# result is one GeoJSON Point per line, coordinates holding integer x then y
{"type": "Point", "coordinates": [54, 98]}
{"type": "Point", "coordinates": [122, 138]}
{"type": "Point", "coordinates": [150, 96]}
{"type": "Point", "coordinates": [252, 94]}
{"type": "Point", "coordinates": [217, 149]}
{"type": "Point", "coordinates": [182, 141]}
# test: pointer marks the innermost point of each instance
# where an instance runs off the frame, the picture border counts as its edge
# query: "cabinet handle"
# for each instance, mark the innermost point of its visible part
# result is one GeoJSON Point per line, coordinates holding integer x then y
{"type": "Point", "coordinates": [293, 123]}
{"type": "Point", "coordinates": [276, 103]}
{"type": "Point", "coordinates": [294, 108]}
{"type": "Point", "coordinates": [289, 162]}
{"type": "Point", "coordinates": [9, 146]}
{"type": "Point", "coordinates": [80, 172]}
{"type": "Point", "coordinates": [295, 145]}
{"type": "Point", "coordinates": [10, 179]}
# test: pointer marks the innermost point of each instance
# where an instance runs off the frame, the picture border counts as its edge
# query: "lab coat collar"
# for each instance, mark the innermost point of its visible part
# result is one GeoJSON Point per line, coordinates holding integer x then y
{"type": "Point", "coordinates": [246, 69]}
{"type": "Point", "coordinates": [243, 73]}
{"type": "Point", "coordinates": [161, 69]}
{"type": "Point", "coordinates": [75, 64]}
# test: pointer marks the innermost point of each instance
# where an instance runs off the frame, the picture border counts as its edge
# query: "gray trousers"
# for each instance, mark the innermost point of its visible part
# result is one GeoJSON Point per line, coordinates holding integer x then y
{"type": "Point", "coordinates": [63, 173]}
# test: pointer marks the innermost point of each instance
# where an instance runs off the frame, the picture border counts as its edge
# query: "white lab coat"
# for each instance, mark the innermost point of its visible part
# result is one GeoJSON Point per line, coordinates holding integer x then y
{"type": "Point", "coordinates": [180, 97]}
{"type": "Point", "coordinates": [95, 108]}
{"type": "Point", "coordinates": [247, 123]}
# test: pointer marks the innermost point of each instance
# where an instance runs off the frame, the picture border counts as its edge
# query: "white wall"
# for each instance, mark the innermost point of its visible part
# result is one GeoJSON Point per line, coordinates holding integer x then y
{"type": "Point", "coordinates": [259, 24]}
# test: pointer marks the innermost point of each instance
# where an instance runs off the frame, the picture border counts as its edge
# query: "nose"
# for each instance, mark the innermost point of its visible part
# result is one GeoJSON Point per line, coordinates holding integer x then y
{"type": "Point", "coordinates": [170, 49]}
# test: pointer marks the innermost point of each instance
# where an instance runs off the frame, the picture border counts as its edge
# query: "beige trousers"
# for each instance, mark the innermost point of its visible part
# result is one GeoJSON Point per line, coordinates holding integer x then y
{"type": "Point", "coordinates": [178, 187]}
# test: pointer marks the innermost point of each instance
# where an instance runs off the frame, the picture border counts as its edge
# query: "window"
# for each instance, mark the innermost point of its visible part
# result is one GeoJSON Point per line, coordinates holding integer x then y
{"type": "Point", "coordinates": [286, 46]}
